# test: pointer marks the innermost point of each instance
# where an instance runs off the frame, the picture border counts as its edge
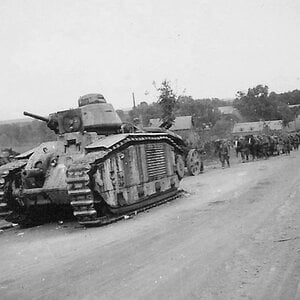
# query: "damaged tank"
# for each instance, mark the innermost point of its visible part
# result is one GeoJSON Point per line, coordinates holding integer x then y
{"type": "Point", "coordinates": [98, 169]}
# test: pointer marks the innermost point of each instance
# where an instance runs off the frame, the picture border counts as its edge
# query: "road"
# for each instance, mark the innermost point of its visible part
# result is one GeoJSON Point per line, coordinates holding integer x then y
{"type": "Point", "coordinates": [234, 235]}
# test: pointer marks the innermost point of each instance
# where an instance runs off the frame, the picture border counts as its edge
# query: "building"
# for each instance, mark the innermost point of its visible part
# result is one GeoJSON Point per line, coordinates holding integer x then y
{"type": "Point", "coordinates": [294, 106]}
{"type": "Point", "coordinates": [230, 111]}
{"type": "Point", "coordinates": [256, 128]}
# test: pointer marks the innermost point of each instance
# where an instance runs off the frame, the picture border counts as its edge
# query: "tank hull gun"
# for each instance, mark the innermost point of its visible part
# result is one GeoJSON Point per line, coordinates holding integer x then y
{"type": "Point", "coordinates": [28, 114]}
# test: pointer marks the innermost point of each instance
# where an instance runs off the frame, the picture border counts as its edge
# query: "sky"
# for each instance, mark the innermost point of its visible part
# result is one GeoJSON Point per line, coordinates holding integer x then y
{"type": "Point", "coordinates": [52, 52]}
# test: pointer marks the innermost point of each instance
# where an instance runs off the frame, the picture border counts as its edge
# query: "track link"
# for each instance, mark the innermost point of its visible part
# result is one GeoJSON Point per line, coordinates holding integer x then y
{"type": "Point", "coordinates": [81, 196]}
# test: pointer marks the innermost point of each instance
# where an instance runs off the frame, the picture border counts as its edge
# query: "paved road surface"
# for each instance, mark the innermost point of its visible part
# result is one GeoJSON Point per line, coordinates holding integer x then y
{"type": "Point", "coordinates": [234, 236]}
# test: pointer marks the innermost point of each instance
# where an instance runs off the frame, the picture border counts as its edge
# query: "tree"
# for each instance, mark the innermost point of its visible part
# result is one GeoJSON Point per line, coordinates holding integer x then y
{"type": "Point", "coordinates": [258, 104]}
{"type": "Point", "coordinates": [121, 114]}
{"type": "Point", "coordinates": [145, 112]}
{"type": "Point", "coordinates": [203, 111]}
{"type": "Point", "coordinates": [167, 101]}
{"type": "Point", "coordinates": [222, 128]}
{"type": "Point", "coordinates": [254, 105]}
{"type": "Point", "coordinates": [290, 98]}
{"type": "Point", "coordinates": [285, 113]}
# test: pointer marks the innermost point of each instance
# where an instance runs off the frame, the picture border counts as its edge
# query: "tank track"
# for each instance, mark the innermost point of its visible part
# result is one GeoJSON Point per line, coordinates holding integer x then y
{"type": "Point", "coordinates": [5, 171]}
{"type": "Point", "coordinates": [81, 195]}
{"type": "Point", "coordinates": [83, 203]}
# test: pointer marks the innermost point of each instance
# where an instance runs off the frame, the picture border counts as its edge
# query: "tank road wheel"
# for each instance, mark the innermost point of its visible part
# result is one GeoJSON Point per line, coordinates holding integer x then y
{"type": "Point", "coordinates": [179, 166]}
{"type": "Point", "coordinates": [193, 162]}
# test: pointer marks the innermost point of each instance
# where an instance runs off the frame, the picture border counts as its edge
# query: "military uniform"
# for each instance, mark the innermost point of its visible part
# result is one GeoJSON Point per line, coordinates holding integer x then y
{"type": "Point", "coordinates": [224, 154]}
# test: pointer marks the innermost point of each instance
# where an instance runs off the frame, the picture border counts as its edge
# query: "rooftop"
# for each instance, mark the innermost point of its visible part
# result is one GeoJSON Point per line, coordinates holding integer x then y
{"type": "Point", "coordinates": [257, 126]}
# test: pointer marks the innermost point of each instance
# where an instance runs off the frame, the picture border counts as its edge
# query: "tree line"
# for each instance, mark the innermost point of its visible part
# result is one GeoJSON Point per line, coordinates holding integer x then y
{"type": "Point", "coordinates": [254, 105]}
{"type": "Point", "coordinates": [258, 104]}
{"type": "Point", "coordinates": [25, 135]}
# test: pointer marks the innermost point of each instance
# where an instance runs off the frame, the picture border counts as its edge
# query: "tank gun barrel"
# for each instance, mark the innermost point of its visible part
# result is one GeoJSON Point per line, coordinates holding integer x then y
{"type": "Point", "coordinates": [35, 116]}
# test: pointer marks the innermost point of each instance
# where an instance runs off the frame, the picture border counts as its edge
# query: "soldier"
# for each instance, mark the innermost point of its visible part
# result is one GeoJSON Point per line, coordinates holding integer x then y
{"type": "Point", "coordinates": [224, 153]}
{"type": "Point", "coordinates": [287, 145]}
{"type": "Point", "coordinates": [245, 151]}
{"type": "Point", "coordinates": [295, 141]}
{"type": "Point", "coordinates": [277, 145]}
{"type": "Point", "coordinates": [280, 145]}
{"type": "Point", "coordinates": [265, 146]}
{"type": "Point", "coordinates": [237, 146]}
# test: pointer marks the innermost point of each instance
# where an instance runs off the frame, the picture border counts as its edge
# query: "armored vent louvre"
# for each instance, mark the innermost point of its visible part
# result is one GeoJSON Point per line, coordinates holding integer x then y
{"type": "Point", "coordinates": [156, 161]}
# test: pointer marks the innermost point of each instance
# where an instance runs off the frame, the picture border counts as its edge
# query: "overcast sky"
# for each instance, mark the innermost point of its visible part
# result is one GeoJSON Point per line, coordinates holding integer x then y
{"type": "Point", "coordinates": [54, 51]}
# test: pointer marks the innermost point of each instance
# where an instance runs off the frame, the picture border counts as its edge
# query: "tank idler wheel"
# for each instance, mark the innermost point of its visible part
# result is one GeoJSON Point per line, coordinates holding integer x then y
{"type": "Point", "coordinates": [193, 162]}
{"type": "Point", "coordinates": [180, 166]}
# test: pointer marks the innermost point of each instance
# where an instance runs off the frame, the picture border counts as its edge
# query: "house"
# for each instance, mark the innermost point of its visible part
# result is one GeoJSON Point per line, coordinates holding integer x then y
{"type": "Point", "coordinates": [227, 110]}
{"type": "Point", "coordinates": [261, 127]}
{"type": "Point", "coordinates": [294, 106]}
{"type": "Point", "coordinates": [230, 110]}
{"type": "Point", "coordinates": [276, 125]}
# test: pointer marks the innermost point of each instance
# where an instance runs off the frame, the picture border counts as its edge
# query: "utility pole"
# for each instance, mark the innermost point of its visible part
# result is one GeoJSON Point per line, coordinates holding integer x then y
{"type": "Point", "coordinates": [133, 99]}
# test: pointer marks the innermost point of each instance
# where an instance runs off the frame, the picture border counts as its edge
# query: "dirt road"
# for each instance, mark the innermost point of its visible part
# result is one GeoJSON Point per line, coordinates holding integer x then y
{"type": "Point", "coordinates": [234, 236]}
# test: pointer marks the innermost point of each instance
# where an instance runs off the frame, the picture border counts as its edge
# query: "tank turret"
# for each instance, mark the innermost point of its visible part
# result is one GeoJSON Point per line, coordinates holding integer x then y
{"type": "Point", "coordinates": [94, 114]}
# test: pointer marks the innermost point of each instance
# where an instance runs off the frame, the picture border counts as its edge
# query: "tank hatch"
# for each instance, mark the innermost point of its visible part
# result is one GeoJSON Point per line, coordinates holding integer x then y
{"type": "Point", "coordinates": [91, 99]}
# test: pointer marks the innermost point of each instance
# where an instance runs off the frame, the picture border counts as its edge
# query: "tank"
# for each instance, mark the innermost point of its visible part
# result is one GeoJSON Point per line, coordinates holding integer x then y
{"type": "Point", "coordinates": [98, 169]}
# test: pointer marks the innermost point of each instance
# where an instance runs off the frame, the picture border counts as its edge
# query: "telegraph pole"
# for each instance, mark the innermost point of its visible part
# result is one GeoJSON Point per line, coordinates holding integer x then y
{"type": "Point", "coordinates": [133, 99]}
